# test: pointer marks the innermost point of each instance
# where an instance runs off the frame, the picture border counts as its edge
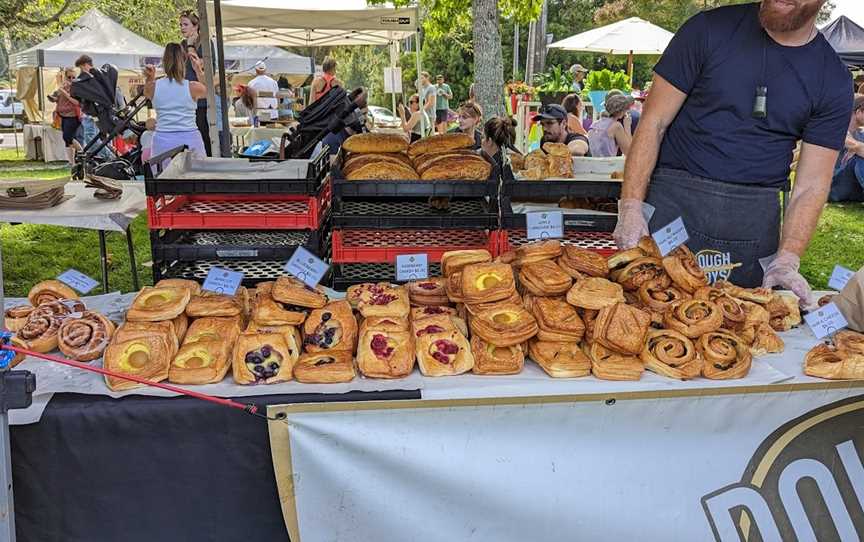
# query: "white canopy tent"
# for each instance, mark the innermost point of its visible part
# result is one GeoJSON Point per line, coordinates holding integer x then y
{"type": "Point", "coordinates": [242, 58]}
{"type": "Point", "coordinates": [633, 36]}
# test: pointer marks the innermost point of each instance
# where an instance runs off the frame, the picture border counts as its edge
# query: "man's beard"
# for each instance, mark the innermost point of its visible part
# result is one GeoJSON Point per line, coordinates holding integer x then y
{"type": "Point", "coordinates": [779, 21]}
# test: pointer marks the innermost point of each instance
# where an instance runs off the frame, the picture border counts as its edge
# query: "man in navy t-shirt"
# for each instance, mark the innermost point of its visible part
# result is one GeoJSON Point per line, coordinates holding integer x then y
{"type": "Point", "coordinates": [734, 92]}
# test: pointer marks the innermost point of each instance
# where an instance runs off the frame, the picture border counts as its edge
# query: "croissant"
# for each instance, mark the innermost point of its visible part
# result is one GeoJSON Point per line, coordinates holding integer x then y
{"type": "Point", "coordinates": [671, 354]}
{"type": "Point", "coordinates": [48, 291]}
{"type": "Point", "coordinates": [496, 360]}
{"type": "Point", "coordinates": [725, 356]}
{"type": "Point", "coordinates": [544, 278]}
{"type": "Point", "coordinates": [595, 293]}
{"type": "Point", "coordinates": [734, 316]}
{"type": "Point", "coordinates": [559, 359]}
{"type": "Point", "coordinates": [684, 270]}
{"type": "Point", "coordinates": [622, 328]}
{"type": "Point", "coordinates": [693, 317]}
{"type": "Point", "coordinates": [84, 338]}
{"type": "Point", "coordinates": [578, 261]}
{"type": "Point", "coordinates": [826, 361]}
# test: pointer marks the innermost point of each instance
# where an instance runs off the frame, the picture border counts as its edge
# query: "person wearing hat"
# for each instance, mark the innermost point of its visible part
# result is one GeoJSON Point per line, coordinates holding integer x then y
{"type": "Point", "coordinates": [612, 132]}
{"type": "Point", "coordinates": [734, 92]}
{"type": "Point", "coordinates": [578, 72]}
{"type": "Point", "coordinates": [262, 82]}
{"type": "Point", "coordinates": [553, 119]}
{"type": "Point", "coordinates": [848, 181]}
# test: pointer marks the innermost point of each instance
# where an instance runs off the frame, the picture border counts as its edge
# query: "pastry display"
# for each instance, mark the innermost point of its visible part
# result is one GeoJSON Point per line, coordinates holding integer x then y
{"type": "Point", "coordinates": [48, 291]}
{"type": "Point", "coordinates": [383, 353]}
{"type": "Point", "coordinates": [158, 304]}
{"type": "Point", "coordinates": [544, 278]}
{"type": "Point", "coordinates": [455, 260]}
{"type": "Point", "coordinates": [332, 327]}
{"type": "Point", "coordinates": [559, 359]}
{"type": "Point", "coordinates": [431, 291]}
{"type": "Point", "coordinates": [147, 356]}
{"type": "Point", "coordinates": [595, 293]}
{"type": "Point", "coordinates": [290, 291]}
{"type": "Point", "coordinates": [375, 142]}
{"type": "Point", "coordinates": [505, 325]}
{"type": "Point", "coordinates": [325, 367]}
{"type": "Point", "coordinates": [557, 320]}
{"type": "Point", "coordinates": [84, 338]}
{"type": "Point", "coordinates": [725, 356]}
{"type": "Point", "coordinates": [443, 353]}
{"type": "Point", "coordinates": [496, 360]}
{"type": "Point", "coordinates": [671, 354]}
{"type": "Point", "coordinates": [621, 328]}
{"type": "Point", "coordinates": [263, 358]}
{"type": "Point", "coordinates": [693, 317]}
{"type": "Point", "coordinates": [486, 282]}
{"type": "Point", "coordinates": [16, 317]}
{"type": "Point", "coordinates": [579, 261]}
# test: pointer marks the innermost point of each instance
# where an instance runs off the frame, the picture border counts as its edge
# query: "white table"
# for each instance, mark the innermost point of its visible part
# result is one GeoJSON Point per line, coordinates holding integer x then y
{"type": "Point", "coordinates": [43, 142]}
{"type": "Point", "coordinates": [243, 136]}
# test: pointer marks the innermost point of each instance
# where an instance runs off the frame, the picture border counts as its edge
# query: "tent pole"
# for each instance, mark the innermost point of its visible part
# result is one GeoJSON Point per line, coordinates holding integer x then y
{"type": "Point", "coordinates": [393, 69]}
{"type": "Point", "coordinates": [419, 69]}
{"type": "Point", "coordinates": [225, 136]}
{"type": "Point", "coordinates": [629, 65]}
{"type": "Point", "coordinates": [207, 50]}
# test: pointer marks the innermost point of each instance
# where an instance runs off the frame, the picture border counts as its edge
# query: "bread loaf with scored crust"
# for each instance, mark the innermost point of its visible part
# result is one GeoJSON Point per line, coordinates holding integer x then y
{"type": "Point", "coordinates": [438, 143]}
{"type": "Point", "coordinates": [458, 168]}
{"type": "Point", "coordinates": [375, 143]}
{"type": "Point", "coordinates": [383, 171]}
{"type": "Point", "coordinates": [356, 161]}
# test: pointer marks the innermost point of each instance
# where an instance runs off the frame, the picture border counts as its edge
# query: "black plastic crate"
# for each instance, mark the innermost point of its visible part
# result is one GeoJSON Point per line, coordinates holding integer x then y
{"type": "Point", "coordinates": [413, 188]}
{"type": "Point", "coordinates": [416, 213]}
{"type": "Point", "coordinates": [193, 245]}
{"type": "Point", "coordinates": [316, 173]}
{"type": "Point", "coordinates": [580, 222]}
{"type": "Point", "coordinates": [557, 189]}
{"type": "Point", "coordinates": [346, 275]}
{"type": "Point", "coordinates": [253, 271]}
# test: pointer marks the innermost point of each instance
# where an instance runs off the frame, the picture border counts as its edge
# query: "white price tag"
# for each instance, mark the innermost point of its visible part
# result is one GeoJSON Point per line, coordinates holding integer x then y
{"type": "Point", "coordinates": [77, 280]}
{"type": "Point", "coordinates": [545, 225]}
{"type": "Point", "coordinates": [826, 321]}
{"type": "Point", "coordinates": [306, 267]}
{"type": "Point", "coordinates": [412, 267]}
{"type": "Point", "coordinates": [671, 236]}
{"type": "Point", "coordinates": [222, 281]}
{"type": "Point", "coordinates": [839, 277]}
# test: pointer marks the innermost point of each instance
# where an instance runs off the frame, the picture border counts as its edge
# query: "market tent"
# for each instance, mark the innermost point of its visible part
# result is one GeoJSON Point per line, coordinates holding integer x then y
{"type": "Point", "coordinates": [847, 38]}
{"type": "Point", "coordinates": [304, 23]}
{"type": "Point", "coordinates": [242, 58]}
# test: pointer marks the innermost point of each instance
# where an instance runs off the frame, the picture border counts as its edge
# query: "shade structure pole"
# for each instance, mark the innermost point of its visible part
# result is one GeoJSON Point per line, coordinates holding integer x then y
{"type": "Point", "coordinates": [516, 51]}
{"type": "Point", "coordinates": [393, 54]}
{"type": "Point", "coordinates": [207, 53]}
{"type": "Point", "coordinates": [629, 65]}
{"type": "Point", "coordinates": [419, 63]}
{"type": "Point", "coordinates": [225, 138]}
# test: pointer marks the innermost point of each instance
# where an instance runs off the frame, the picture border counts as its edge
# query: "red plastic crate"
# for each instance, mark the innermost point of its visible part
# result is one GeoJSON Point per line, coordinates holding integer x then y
{"type": "Point", "coordinates": [382, 246]}
{"type": "Point", "coordinates": [255, 212]}
{"type": "Point", "coordinates": [600, 242]}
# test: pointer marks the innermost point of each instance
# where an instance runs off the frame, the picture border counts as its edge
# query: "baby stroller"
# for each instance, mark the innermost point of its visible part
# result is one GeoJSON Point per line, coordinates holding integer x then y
{"type": "Point", "coordinates": [331, 113]}
{"type": "Point", "coordinates": [96, 92]}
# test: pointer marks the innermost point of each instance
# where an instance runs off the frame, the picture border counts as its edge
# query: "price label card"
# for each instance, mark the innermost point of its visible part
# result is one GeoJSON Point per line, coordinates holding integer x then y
{"type": "Point", "coordinates": [222, 281]}
{"type": "Point", "coordinates": [826, 321]}
{"type": "Point", "coordinates": [77, 280]}
{"type": "Point", "coordinates": [306, 267]}
{"type": "Point", "coordinates": [545, 225]}
{"type": "Point", "coordinates": [839, 277]}
{"type": "Point", "coordinates": [671, 236]}
{"type": "Point", "coordinates": [412, 267]}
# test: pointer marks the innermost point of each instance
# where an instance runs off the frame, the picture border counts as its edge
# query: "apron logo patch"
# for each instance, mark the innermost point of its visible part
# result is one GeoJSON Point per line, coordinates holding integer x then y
{"type": "Point", "coordinates": [717, 265]}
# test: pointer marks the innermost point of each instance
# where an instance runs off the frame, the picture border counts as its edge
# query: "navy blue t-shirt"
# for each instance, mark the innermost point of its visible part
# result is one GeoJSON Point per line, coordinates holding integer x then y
{"type": "Point", "coordinates": [716, 58]}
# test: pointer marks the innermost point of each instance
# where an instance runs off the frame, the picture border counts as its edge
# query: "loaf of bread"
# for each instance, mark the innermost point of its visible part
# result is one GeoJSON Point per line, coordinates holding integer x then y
{"type": "Point", "coordinates": [383, 171]}
{"type": "Point", "coordinates": [356, 161]}
{"type": "Point", "coordinates": [556, 149]}
{"type": "Point", "coordinates": [375, 143]}
{"type": "Point", "coordinates": [422, 160]}
{"type": "Point", "coordinates": [517, 161]}
{"type": "Point", "coordinates": [458, 168]}
{"type": "Point", "coordinates": [536, 173]}
{"type": "Point", "coordinates": [536, 160]}
{"type": "Point", "coordinates": [560, 167]}
{"type": "Point", "coordinates": [423, 165]}
{"type": "Point", "coordinates": [438, 143]}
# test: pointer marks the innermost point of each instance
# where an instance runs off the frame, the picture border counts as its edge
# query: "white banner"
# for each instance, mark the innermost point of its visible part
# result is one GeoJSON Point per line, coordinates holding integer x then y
{"type": "Point", "coordinates": [756, 466]}
{"type": "Point", "coordinates": [393, 80]}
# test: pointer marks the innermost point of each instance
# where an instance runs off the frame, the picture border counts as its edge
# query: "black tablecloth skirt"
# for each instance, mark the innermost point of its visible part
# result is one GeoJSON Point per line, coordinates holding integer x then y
{"type": "Point", "coordinates": [150, 469]}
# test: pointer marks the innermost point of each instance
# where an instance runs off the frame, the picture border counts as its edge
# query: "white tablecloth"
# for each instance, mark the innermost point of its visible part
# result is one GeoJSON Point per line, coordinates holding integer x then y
{"type": "Point", "coordinates": [86, 211]}
{"type": "Point", "coordinates": [52, 148]}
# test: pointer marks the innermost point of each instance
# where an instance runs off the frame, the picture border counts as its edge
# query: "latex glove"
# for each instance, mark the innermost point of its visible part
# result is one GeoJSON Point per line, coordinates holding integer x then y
{"type": "Point", "coordinates": [632, 225]}
{"type": "Point", "coordinates": [783, 272]}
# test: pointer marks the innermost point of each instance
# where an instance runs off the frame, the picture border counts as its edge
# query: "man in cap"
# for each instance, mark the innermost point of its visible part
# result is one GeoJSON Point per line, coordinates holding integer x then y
{"type": "Point", "coordinates": [578, 72]}
{"type": "Point", "coordinates": [262, 82]}
{"type": "Point", "coordinates": [735, 90]}
{"type": "Point", "coordinates": [553, 119]}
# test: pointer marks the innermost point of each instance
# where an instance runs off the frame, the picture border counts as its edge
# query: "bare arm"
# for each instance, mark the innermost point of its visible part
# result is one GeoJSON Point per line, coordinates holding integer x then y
{"type": "Point", "coordinates": [622, 137]}
{"type": "Point", "coordinates": [578, 147]}
{"type": "Point", "coordinates": [197, 90]}
{"type": "Point", "coordinates": [149, 81]}
{"type": "Point", "coordinates": [812, 184]}
{"type": "Point", "coordinates": [663, 103]}
{"type": "Point", "coordinates": [430, 103]}
{"type": "Point", "coordinates": [853, 146]}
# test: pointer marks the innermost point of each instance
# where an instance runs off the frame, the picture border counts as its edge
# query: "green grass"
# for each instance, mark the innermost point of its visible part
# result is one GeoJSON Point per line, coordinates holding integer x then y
{"type": "Point", "coordinates": [839, 239]}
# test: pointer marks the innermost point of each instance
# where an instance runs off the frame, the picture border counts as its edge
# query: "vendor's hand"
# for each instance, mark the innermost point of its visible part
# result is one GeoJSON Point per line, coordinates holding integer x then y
{"type": "Point", "coordinates": [783, 272]}
{"type": "Point", "coordinates": [631, 223]}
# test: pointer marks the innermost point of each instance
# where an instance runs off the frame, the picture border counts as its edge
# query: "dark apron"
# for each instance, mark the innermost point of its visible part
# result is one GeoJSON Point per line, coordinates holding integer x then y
{"type": "Point", "coordinates": [731, 226]}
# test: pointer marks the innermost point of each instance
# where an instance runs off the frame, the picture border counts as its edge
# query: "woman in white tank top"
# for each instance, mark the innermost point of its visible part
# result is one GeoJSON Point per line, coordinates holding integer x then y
{"type": "Point", "coordinates": [175, 100]}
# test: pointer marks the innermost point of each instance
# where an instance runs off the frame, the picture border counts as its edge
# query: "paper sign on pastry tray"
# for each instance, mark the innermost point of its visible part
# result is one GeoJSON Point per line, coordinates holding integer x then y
{"type": "Point", "coordinates": [826, 321]}
{"type": "Point", "coordinates": [839, 277]}
{"type": "Point", "coordinates": [306, 267]}
{"type": "Point", "coordinates": [222, 281]}
{"type": "Point", "coordinates": [412, 267]}
{"type": "Point", "coordinates": [545, 225]}
{"type": "Point", "coordinates": [671, 236]}
{"type": "Point", "coordinates": [77, 280]}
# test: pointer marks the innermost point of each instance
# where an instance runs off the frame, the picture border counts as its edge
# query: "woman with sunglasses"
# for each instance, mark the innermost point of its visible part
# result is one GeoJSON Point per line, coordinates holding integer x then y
{"type": "Point", "coordinates": [412, 124]}
{"type": "Point", "coordinates": [69, 111]}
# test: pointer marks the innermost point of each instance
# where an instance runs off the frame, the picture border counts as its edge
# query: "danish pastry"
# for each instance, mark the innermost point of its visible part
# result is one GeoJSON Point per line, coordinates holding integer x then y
{"type": "Point", "coordinates": [455, 260]}
{"type": "Point", "coordinates": [420, 313]}
{"type": "Point", "coordinates": [538, 251]}
{"type": "Point", "coordinates": [291, 291]}
{"type": "Point", "coordinates": [496, 360]}
{"type": "Point", "coordinates": [201, 362]}
{"type": "Point", "coordinates": [544, 278]}
{"type": "Point", "coordinates": [355, 293]}
{"type": "Point", "coordinates": [506, 325]}
{"type": "Point", "coordinates": [454, 287]}
{"type": "Point", "coordinates": [385, 354]}
{"type": "Point", "coordinates": [134, 330]}
{"type": "Point", "coordinates": [330, 328]}
{"type": "Point", "coordinates": [622, 328]}
{"type": "Point", "coordinates": [733, 313]}
{"type": "Point", "coordinates": [765, 341]}
{"type": "Point", "coordinates": [40, 331]}
{"type": "Point", "coordinates": [438, 143]}
{"type": "Point", "coordinates": [618, 261]}
{"type": "Point", "coordinates": [754, 295]}
{"type": "Point", "coordinates": [684, 270]}
{"type": "Point", "coordinates": [725, 356]}
{"type": "Point", "coordinates": [16, 317]}
{"type": "Point", "coordinates": [577, 261]}
{"type": "Point", "coordinates": [391, 302]}
{"type": "Point", "coordinates": [438, 324]}
{"type": "Point", "coordinates": [84, 338]}
{"type": "Point", "coordinates": [157, 304]}
{"type": "Point", "coordinates": [445, 353]}
{"type": "Point", "coordinates": [146, 356]}
{"type": "Point", "coordinates": [595, 293]}
{"type": "Point", "coordinates": [557, 320]}
{"type": "Point", "coordinates": [48, 291]}
{"type": "Point", "coordinates": [181, 325]}
{"type": "Point", "coordinates": [263, 358]}
{"type": "Point", "coordinates": [693, 317]}
{"type": "Point", "coordinates": [640, 271]}
{"type": "Point", "coordinates": [267, 311]}
{"type": "Point", "coordinates": [514, 299]}
{"type": "Point", "coordinates": [375, 142]}
{"type": "Point", "coordinates": [290, 333]}
{"type": "Point", "coordinates": [186, 284]}
{"type": "Point", "coordinates": [609, 365]}
{"type": "Point", "coordinates": [325, 367]}
{"type": "Point", "coordinates": [213, 304]}
{"type": "Point", "coordinates": [431, 291]}
{"type": "Point", "coordinates": [826, 361]}
{"type": "Point", "coordinates": [487, 282]}
{"type": "Point", "coordinates": [384, 324]}
{"type": "Point", "coordinates": [657, 299]}
{"type": "Point", "coordinates": [671, 354]}
{"type": "Point", "coordinates": [213, 329]}
{"type": "Point", "coordinates": [784, 313]}
{"type": "Point", "coordinates": [560, 360]}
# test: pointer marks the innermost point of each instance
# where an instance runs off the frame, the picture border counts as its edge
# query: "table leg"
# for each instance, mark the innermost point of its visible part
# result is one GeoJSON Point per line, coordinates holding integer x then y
{"type": "Point", "coordinates": [103, 253]}
{"type": "Point", "coordinates": [130, 246]}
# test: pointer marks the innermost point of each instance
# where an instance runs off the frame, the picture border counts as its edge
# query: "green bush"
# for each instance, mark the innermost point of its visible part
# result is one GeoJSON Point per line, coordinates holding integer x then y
{"type": "Point", "coordinates": [607, 80]}
{"type": "Point", "coordinates": [555, 80]}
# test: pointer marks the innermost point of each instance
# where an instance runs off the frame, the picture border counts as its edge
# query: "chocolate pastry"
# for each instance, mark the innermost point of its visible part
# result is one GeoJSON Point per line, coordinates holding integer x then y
{"type": "Point", "coordinates": [439, 143]}
{"type": "Point", "coordinates": [84, 338]}
{"type": "Point", "coordinates": [784, 312]}
{"type": "Point", "coordinates": [538, 251]}
{"type": "Point", "coordinates": [145, 356]}
{"type": "Point", "coordinates": [560, 359]}
{"type": "Point", "coordinates": [325, 367]}
{"type": "Point", "coordinates": [755, 295]}
{"type": "Point", "coordinates": [291, 291]}
{"type": "Point", "coordinates": [385, 354]}
{"type": "Point", "coordinates": [693, 317]}
{"type": "Point", "coordinates": [725, 356]}
{"type": "Point", "coordinates": [618, 261]}
{"type": "Point", "coordinates": [186, 284]}
{"type": "Point", "coordinates": [454, 260]}
{"type": "Point", "coordinates": [544, 278]}
{"type": "Point", "coordinates": [443, 353]}
{"type": "Point", "coordinates": [390, 302]}
{"type": "Point", "coordinates": [577, 261]}
{"type": "Point", "coordinates": [649, 247]}
{"type": "Point", "coordinates": [375, 142]}
{"type": "Point", "coordinates": [158, 304]}
{"type": "Point", "coordinates": [557, 320]}
{"type": "Point", "coordinates": [506, 325]}
{"type": "Point", "coordinates": [487, 282]}
{"type": "Point", "coordinates": [622, 328]}
{"type": "Point", "coordinates": [330, 328]}
{"type": "Point", "coordinates": [657, 298]}
{"type": "Point", "coordinates": [609, 365]}
{"type": "Point", "coordinates": [263, 358]}
{"type": "Point", "coordinates": [431, 291]}
{"type": "Point", "coordinates": [16, 317]}
{"type": "Point", "coordinates": [734, 317]}
{"type": "Point", "coordinates": [595, 293]}
{"type": "Point", "coordinates": [48, 291]}
{"type": "Point", "coordinates": [640, 271]}
{"type": "Point", "coordinates": [684, 270]}
{"type": "Point", "coordinates": [496, 360]}
{"type": "Point", "coordinates": [671, 354]}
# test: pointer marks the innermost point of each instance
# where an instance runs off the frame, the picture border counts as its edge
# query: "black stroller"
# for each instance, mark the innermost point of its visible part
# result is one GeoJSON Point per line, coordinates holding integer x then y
{"type": "Point", "coordinates": [331, 113]}
{"type": "Point", "coordinates": [96, 92]}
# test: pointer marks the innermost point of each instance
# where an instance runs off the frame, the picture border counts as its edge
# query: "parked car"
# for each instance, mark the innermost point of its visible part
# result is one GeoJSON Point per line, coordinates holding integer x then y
{"type": "Point", "coordinates": [11, 111]}
{"type": "Point", "coordinates": [383, 118]}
